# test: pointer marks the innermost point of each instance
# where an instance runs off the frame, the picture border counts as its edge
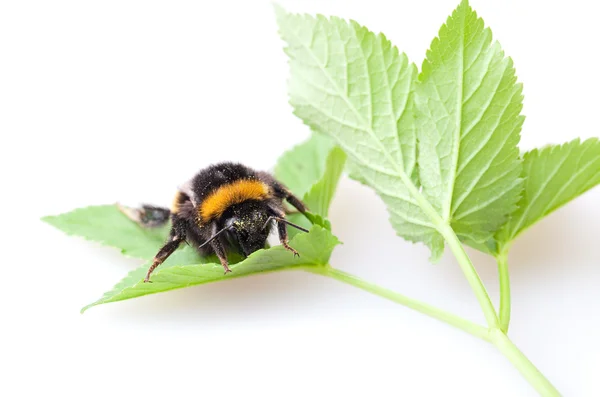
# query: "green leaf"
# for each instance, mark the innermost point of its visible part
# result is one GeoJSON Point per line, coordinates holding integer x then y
{"type": "Point", "coordinates": [356, 87]}
{"type": "Point", "coordinates": [107, 225]}
{"type": "Point", "coordinates": [319, 197]}
{"type": "Point", "coordinates": [178, 272]}
{"type": "Point", "coordinates": [468, 108]}
{"type": "Point", "coordinates": [312, 171]}
{"type": "Point", "coordinates": [304, 165]}
{"type": "Point", "coordinates": [554, 175]}
{"type": "Point", "coordinates": [318, 220]}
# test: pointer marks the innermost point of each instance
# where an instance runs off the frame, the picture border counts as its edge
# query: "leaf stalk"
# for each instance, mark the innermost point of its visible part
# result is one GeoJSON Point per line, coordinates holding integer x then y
{"type": "Point", "coordinates": [461, 256]}
{"type": "Point", "coordinates": [471, 275]}
{"type": "Point", "coordinates": [505, 299]}
{"type": "Point", "coordinates": [493, 335]}
{"type": "Point", "coordinates": [425, 308]}
{"type": "Point", "coordinates": [522, 363]}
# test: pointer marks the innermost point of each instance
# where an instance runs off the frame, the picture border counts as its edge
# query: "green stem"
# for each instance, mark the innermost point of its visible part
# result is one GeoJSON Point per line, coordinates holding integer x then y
{"type": "Point", "coordinates": [493, 335]}
{"type": "Point", "coordinates": [439, 314]}
{"type": "Point", "coordinates": [504, 279]}
{"type": "Point", "coordinates": [471, 275]}
{"type": "Point", "coordinates": [455, 245]}
{"type": "Point", "coordinates": [522, 363]}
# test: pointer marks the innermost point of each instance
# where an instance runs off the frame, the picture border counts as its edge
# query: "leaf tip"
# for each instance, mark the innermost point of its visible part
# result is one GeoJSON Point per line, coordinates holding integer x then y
{"type": "Point", "coordinates": [52, 220]}
{"type": "Point", "coordinates": [465, 7]}
{"type": "Point", "coordinates": [281, 14]}
{"type": "Point", "coordinates": [279, 10]}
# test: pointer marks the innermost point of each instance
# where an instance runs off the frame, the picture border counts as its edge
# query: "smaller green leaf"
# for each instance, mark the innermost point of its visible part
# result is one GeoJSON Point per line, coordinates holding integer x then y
{"type": "Point", "coordinates": [314, 248]}
{"type": "Point", "coordinates": [554, 175]}
{"type": "Point", "coordinates": [319, 197]}
{"type": "Point", "coordinates": [318, 220]}
{"type": "Point", "coordinates": [312, 171]}
{"type": "Point", "coordinates": [107, 225]}
{"type": "Point", "coordinates": [304, 165]}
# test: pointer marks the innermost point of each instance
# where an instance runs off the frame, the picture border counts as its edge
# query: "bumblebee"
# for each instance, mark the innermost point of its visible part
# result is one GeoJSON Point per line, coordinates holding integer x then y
{"type": "Point", "coordinates": [225, 206]}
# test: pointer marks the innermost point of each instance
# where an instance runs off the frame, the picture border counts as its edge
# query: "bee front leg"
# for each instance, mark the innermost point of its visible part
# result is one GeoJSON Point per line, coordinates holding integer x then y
{"type": "Point", "coordinates": [163, 254]}
{"type": "Point", "coordinates": [283, 237]}
{"type": "Point", "coordinates": [221, 253]}
{"type": "Point", "coordinates": [177, 235]}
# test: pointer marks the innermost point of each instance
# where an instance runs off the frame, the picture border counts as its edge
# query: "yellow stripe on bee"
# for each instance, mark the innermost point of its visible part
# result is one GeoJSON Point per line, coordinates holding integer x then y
{"type": "Point", "coordinates": [227, 195]}
{"type": "Point", "coordinates": [175, 204]}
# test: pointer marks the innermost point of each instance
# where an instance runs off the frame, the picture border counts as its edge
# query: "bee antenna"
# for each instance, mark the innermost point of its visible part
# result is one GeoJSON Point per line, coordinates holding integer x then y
{"type": "Point", "coordinates": [278, 219]}
{"type": "Point", "coordinates": [216, 235]}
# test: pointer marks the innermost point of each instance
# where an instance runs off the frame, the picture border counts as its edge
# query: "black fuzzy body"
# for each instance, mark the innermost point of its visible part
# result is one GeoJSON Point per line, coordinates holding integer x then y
{"type": "Point", "coordinates": [254, 213]}
{"type": "Point", "coordinates": [242, 223]}
{"type": "Point", "coordinates": [224, 207]}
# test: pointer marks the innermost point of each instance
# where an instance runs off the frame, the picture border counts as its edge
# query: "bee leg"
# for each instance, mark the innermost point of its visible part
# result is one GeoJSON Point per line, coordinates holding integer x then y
{"type": "Point", "coordinates": [147, 215]}
{"type": "Point", "coordinates": [283, 237]}
{"type": "Point", "coordinates": [163, 254]}
{"type": "Point", "coordinates": [220, 251]}
{"type": "Point", "coordinates": [282, 192]}
{"type": "Point", "coordinates": [296, 202]}
{"type": "Point", "coordinates": [176, 237]}
{"type": "Point", "coordinates": [279, 216]}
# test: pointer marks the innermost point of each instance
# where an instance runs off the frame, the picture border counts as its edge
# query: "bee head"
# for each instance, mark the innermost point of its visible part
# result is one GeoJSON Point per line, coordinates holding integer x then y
{"type": "Point", "coordinates": [246, 224]}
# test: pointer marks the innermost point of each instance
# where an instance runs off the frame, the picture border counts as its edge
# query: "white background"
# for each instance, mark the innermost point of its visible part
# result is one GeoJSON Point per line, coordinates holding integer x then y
{"type": "Point", "coordinates": [121, 100]}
